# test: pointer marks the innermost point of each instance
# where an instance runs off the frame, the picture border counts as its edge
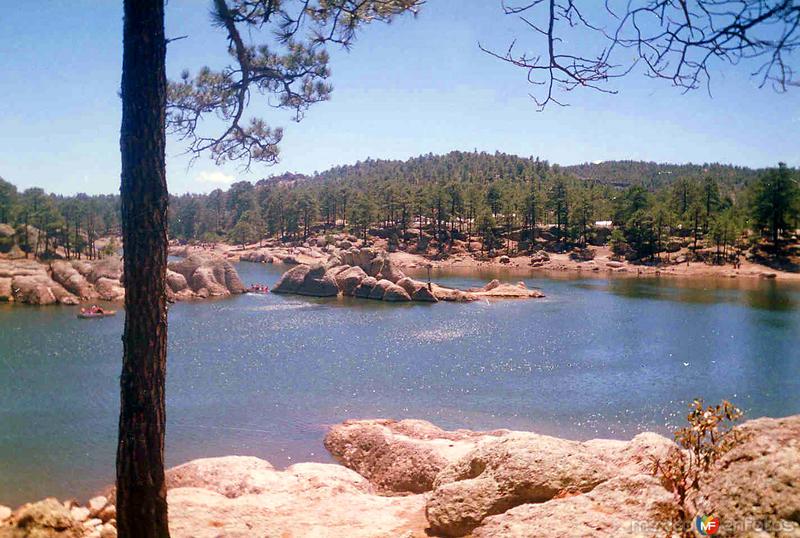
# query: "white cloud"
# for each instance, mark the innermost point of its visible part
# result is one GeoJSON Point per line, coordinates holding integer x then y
{"type": "Point", "coordinates": [214, 176]}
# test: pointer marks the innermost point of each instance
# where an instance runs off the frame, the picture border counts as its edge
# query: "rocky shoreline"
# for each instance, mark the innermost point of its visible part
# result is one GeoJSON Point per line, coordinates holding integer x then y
{"type": "Point", "coordinates": [412, 479]}
{"type": "Point", "coordinates": [594, 260]}
{"type": "Point", "coordinates": [72, 282]}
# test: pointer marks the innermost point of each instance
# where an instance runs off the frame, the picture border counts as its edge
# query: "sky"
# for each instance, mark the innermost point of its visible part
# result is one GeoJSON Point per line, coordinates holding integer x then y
{"type": "Point", "coordinates": [419, 85]}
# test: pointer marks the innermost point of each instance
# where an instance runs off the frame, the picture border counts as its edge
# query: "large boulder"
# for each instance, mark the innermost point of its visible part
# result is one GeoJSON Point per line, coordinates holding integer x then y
{"type": "Point", "coordinates": [176, 281]}
{"type": "Point", "coordinates": [109, 289]}
{"type": "Point", "coordinates": [396, 294]}
{"type": "Point", "coordinates": [627, 505]}
{"type": "Point", "coordinates": [72, 280]}
{"type": "Point", "coordinates": [319, 283]}
{"type": "Point", "coordinates": [208, 275]}
{"type": "Point", "coordinates": [6, 292]}
{"type": "Point", "coordinates": [516, 469]}
{"type": "Point", "coordinates": [390, 272]}
{"type": "Point", "coordinates": [349, 279]}
{"type": "Point", "coordinates": [364, 289]}
{"type": "Point", "coordinates": [380, 289]}
{"type": "Point", "coordinates": [423, 294]}
{"type": "Point", "coordinates": [33, 289]}
{"type": "Point", "coordinates": [315, 281]}
{"type": "Point", "coordinates": [257, 256]}
{"type": "Point", "coordinates": [110, 268]}
{"type": "Point", "coordinates": [292, 279]}
{"type": "Point", "coordinates": [410, 285]}
{"type": "Point", "coordinates": [231, 476]}
{"type": "Point", "coordinates": [400, 456]}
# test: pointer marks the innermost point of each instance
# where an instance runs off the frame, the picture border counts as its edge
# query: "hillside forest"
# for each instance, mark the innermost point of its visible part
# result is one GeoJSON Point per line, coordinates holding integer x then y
{"type": "Point", "coordinates": [489, 204]}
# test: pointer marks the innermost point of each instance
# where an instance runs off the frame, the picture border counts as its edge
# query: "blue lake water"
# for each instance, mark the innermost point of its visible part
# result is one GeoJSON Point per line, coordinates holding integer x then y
{"type": "Point", "coordinates": [264, 375]}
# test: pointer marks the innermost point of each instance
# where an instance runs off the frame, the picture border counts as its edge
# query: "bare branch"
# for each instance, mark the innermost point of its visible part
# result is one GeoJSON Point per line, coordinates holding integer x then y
{"type": "Point", "coordinates": [675, 40]}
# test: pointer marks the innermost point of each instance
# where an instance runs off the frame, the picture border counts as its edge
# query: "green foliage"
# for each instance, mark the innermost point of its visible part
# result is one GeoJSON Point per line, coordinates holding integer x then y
{"type": "Point", "coordinates": [486, 228]}
{"type": "Point", "coordinates": [363, 214]}
{"type": "Point", "coordinates": [619, 246]}
{"type": "Point", "coordinates": [776, 201]}
{"type": "Point", "coordinates": [708, 437]}
{"type": "Point", "coordinates": [110, 248]}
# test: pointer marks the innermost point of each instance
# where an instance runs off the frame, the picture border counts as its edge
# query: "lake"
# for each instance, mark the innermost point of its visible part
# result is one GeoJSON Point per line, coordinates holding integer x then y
{"type": "Point", "coordinates": [264, 375]}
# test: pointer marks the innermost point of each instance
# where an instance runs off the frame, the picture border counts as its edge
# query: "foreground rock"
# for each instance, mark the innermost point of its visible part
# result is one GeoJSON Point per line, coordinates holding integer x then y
{"type": "Point", "coordinates": [520, 484]}
{"type": "Point", "coordinates": [52, 519]}
{"type": "Point", "coordinates": [498, 484]}
{"type": "Point", "coordinates": [370, 274]}
{"type": "Point", "coordinates": [622, 506]}
{"type": "Point", "coordinates": [400, 456]}
{"type": "Point", "coordinates": [757, 483]}
{"type": "Point", "coordinates": [307, 499]}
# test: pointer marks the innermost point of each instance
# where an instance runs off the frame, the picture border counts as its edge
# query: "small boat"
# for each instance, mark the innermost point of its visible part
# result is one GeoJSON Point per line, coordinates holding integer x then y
{"type": "Point", "coordinates": [257, 288]}
{"type": "Point", "coordinates": [87, 313]}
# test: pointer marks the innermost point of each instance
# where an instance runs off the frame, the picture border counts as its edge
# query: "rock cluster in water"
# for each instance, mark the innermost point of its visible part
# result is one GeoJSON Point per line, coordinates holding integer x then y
{"type": "Point", "coordinates": [199, 276]}
{"type": "Point", "coordinates": [370, 274]}
{"type": "Point", "coordinates": [411, 479]}
{"type": "Point", "coordinates": [75, 281]}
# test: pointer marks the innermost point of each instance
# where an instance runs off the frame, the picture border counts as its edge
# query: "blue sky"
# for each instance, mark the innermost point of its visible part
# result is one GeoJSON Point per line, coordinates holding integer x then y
{"type": "Point", "coordinates": [416, 86]}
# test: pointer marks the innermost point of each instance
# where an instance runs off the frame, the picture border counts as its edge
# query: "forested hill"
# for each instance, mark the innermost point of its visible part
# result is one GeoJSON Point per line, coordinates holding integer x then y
{"type": "Point", "coordinates": [655, 175]}
{"type": "Point", "coordinates": [482, 167]}
{"type": "Point", "coordinates": [456, 166]}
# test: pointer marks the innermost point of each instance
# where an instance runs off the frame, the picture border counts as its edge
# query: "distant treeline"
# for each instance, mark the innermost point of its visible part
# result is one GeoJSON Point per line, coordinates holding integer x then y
{"type": "Point", "coordinates": [49, 223]}
{"type": "Point", "coordinates": [472, 194]}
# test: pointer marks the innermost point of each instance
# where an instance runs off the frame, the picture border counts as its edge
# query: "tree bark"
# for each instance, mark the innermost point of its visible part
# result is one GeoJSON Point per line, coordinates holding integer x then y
{"type": "Point", "coordinates": [141, 492]}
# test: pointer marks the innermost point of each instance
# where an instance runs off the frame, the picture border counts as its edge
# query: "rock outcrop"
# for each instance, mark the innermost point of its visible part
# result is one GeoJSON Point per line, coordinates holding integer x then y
{"type": "Point", "coordinates": [204, 275]}
{"type": "Point", "coordinates": [415, 480]}
{"type": "Point", "coordinates": [305, 280]}
{"type": "Point", "coordinates": [370, 274]}
{"type": "Point", "coordinates": [70, 282]}
{"type": "Point", "coordinates": [520, 484]}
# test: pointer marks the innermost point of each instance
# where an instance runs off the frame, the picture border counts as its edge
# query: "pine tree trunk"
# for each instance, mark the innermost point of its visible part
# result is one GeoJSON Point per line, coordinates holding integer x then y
{"type": "Point", "coordinates": [141, 493]}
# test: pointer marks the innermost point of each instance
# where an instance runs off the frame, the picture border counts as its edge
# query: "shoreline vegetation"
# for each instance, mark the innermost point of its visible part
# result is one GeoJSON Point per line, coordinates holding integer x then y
{"type": "Point", "coordinates": [412, 479]}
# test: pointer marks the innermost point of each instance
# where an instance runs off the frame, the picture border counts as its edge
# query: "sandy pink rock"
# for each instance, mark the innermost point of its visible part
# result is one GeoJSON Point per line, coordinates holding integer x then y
{"type": "Point", "coordinates": [400, 456]}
